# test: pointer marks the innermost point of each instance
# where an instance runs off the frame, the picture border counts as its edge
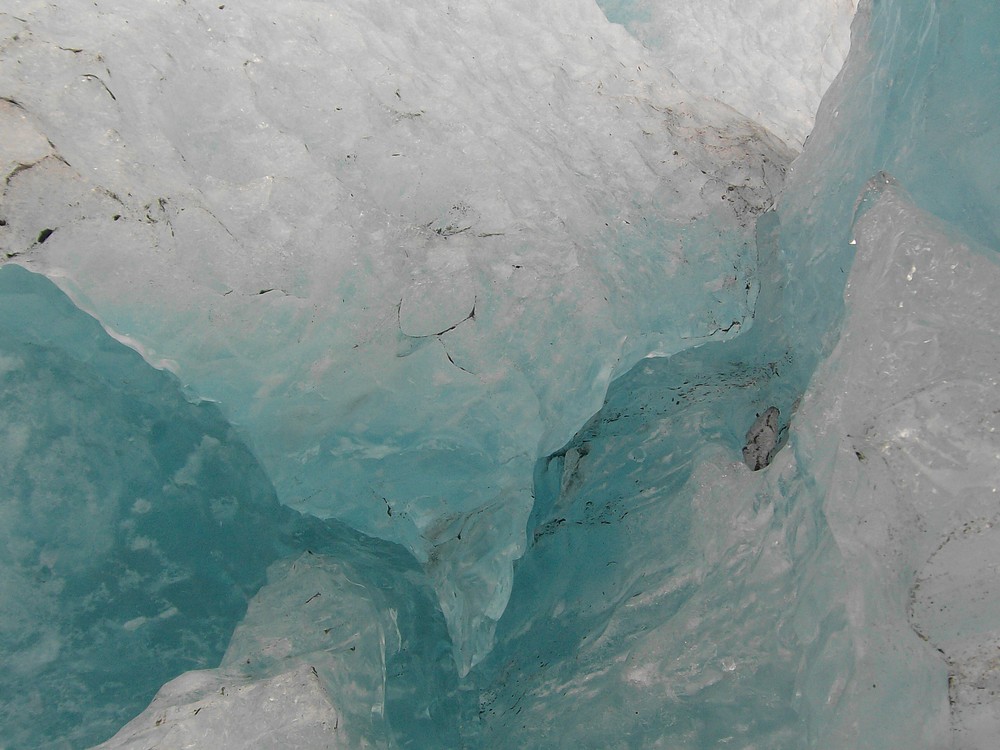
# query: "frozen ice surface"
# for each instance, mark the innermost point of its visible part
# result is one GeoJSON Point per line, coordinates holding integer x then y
{"type": "Point", "coordinates": [410, 251]}
{"type": "Point", "coordinates": [205, 709]}
{"type": "Point", "coordinates": [307, 668]}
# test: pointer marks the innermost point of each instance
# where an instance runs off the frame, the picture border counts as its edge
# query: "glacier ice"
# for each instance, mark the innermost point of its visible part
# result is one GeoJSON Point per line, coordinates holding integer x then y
{"type": "Point", "coordinates": [330, 649]}
{"type": "Point", "coordinates": [199, 709]}
{"type": "Point", "coordinates": [470, 310]}
{"type": "Point", "coordinates": [911, 465]}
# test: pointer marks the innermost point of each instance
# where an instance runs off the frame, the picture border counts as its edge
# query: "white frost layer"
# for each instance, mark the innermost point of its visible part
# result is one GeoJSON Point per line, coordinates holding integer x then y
{"type": "Point", "coordinates": [404, 248]}
{"type": "Point", "coordinates": [772, 60]}
{"type": "Point", "coordinates": [906, 410]}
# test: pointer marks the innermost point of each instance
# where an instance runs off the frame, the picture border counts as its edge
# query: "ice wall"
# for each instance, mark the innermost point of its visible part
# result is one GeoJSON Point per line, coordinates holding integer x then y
{"type": "Point", "coordinates": [132, 524]}
{"type": "Point", "coordinates": [407, 253]}
{"type": "Point", "coordinates": [907, 444]}
{"type": "Point", "coordinates": [672, 597]}
{"type": "Point", "coordinates": [404, 251]}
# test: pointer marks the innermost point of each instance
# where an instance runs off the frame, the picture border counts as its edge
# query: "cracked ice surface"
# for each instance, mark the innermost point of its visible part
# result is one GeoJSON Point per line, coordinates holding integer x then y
{"type": "Point", "coordinates": [405, 249]}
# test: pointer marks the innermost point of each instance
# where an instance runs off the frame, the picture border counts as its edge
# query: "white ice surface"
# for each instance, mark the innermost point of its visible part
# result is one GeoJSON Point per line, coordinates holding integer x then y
{"type": "Point", "coordinates": [306, 668]}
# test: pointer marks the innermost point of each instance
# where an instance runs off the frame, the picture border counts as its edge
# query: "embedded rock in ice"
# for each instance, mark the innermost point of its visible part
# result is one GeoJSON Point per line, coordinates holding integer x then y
{"type": "Point", "coordinates": [405, 252]}
{"type": "Point", "coordinates": [762, 438]}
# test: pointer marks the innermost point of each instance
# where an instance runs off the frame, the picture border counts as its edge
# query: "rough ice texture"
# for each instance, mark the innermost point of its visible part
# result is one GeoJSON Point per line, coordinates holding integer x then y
{"type": "Point", "coordinates": [405, 250]}
{"type": "Point", "coordinates": [772, 61]}
{"type": "Point", "coordinates": [136, 528]}
{"type": "Point", "coordinates": [306, 668]}
{"type": "Point", "coordinates": [707, 606]}
{"type": "Point", "coordinates": [795, 605]}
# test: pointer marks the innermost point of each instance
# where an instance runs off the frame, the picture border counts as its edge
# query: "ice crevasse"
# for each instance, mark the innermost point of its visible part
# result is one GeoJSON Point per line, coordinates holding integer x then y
{"type": "Point", "coordinates": [395, 380]}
